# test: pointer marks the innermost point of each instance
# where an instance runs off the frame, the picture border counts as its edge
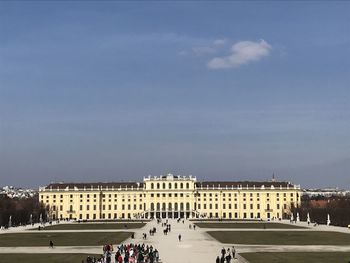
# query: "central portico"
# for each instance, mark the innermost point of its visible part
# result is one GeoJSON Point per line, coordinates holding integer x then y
{"type": "Point", "coordinates": [170, 196]}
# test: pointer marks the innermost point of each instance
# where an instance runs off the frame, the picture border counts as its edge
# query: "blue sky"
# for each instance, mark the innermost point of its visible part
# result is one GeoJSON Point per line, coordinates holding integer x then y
{"type": "Point", "coordinates": [108, 91]}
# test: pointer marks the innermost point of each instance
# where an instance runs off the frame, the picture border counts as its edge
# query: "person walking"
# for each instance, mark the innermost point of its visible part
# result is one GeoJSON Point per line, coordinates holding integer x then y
{"type": "Point", "coordinates": [51, 244]}
{"type": "Point", "coordinates": [179, 237]}
{"type": "Point", "coordinates": [217, 259]}
{"type": "Point", "coordinates": [223, 252]}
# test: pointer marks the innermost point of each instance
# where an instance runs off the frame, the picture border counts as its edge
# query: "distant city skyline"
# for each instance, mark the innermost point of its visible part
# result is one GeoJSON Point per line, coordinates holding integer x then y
{"type": "Point", "coordinates": [111, 91]}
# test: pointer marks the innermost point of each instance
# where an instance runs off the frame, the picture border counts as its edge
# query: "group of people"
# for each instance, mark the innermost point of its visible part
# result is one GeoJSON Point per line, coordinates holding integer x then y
{"type": "Point", "coordinates": [100, 259]}
{"type": "Point", "coordinates": [136, 253]}
{"type": "Point", "coordinates": [126, 253]}
{"type": "Point", "coordinates": [190, 226]}
{"type": "Point", "coordinates": [226, 255]}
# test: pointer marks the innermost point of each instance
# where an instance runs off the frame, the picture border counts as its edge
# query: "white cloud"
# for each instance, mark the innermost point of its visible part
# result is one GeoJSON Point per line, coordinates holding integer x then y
{"type": "Point", "coordinates": [219, 42]}
{"type": "Point", "coordinates": [203, 50]}
{"type": "Point", "coordinates": [214, 47]}
{"type": "Point", "coordinates": [242, 53]}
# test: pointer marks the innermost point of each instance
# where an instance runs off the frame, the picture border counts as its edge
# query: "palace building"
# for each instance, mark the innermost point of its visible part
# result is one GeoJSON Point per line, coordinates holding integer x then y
{"type": "Point", "coordinates": [170, 196]}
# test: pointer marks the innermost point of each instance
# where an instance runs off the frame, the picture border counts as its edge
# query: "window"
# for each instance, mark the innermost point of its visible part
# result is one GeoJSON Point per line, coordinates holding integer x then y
{"type": "Point", "coordinates": [152, 186]}
{"type": "Point", "coordinates": [164, 186]}
{"type": "Point", "coordinates": [175, 185]}
{"type": "Point", "coordinates": [188, 186]}
{"type": "Point", "coordinates": [181, 185]}
{"type": "Point", "coordinates": [169, 185]}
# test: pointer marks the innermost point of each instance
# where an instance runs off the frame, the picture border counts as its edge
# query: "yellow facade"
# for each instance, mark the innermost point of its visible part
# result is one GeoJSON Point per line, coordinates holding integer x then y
{"type": "Point", "coordinates": [170, 197]}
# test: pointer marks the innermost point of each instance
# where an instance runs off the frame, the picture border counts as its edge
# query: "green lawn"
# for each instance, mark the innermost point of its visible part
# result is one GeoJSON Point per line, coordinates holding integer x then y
{"type": "Point", "coordinates": [87, 226]}
{"type": "Point", "coordinates": [43, 258]}
{"type": "Point", "coordinates": [300, 257]}
{"type": "Point", "coordinates": [258, 225]}
{"type": "Point", "coordinates": [62, 239]}
{"type": "Point", "coordinates": [281, 237]}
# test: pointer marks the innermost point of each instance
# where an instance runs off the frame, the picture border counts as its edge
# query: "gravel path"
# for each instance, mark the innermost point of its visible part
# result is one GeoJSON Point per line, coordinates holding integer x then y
{"type": "Point", "coordinates": [196, 245]}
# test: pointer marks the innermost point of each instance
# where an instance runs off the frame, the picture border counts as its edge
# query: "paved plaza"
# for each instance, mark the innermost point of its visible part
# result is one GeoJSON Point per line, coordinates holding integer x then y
{"type": "Point", "coordinates": [195, 246]}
